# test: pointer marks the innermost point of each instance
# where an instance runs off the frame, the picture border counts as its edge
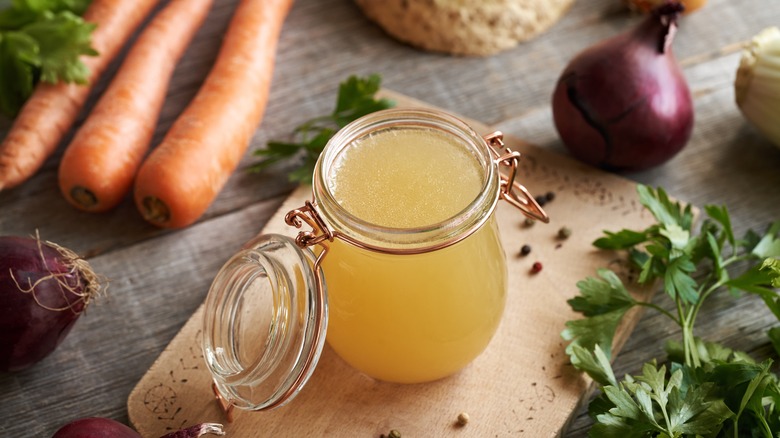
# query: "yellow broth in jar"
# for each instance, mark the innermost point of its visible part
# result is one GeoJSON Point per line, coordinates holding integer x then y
{"type": "Point", "coordinates": [421, 317]}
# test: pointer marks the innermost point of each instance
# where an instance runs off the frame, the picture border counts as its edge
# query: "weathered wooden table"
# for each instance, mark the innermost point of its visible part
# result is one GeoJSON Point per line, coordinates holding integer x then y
{"type": "Point", "coordinates": [159, 277]}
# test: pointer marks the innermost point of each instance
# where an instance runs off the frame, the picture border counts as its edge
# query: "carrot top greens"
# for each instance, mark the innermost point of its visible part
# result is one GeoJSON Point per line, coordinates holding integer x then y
{"type": "Point", "coordinates": [40, 40]}
{"type": "Point", "coordinates": [706, 389]}
{"type": "Point", "coordinates": [355, 99]}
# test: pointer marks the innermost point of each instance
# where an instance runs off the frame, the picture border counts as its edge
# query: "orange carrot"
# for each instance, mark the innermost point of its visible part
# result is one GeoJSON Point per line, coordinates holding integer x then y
{"type": "Point", "coordinates": [52, 108]}
{"type": "Point", "coordinates": [99, 165]}
{"type": "Point", "coordinates": [183, 175]}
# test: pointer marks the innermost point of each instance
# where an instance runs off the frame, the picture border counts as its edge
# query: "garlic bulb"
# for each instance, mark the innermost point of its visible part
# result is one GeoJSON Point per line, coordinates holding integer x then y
{"type": "Point", "coordinates": [757, 86]}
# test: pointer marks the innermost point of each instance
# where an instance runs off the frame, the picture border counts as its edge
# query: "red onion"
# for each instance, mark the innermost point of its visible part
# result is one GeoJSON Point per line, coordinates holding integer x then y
{"type": "Point", "coordinates": [96, 427]}
{"type": "Point", "coordinates": [624, 104]}
{"type": "Point", "coordinates": [44, 288]}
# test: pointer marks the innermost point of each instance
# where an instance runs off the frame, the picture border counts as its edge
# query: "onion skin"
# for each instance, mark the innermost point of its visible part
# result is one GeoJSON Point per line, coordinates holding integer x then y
{"type": "Point", "coordinates": [98, 427]}
{"type": "Point", "coordinates": [35, 319]}
{"type": "Point", "coordinates": [624, 104]}
{"type": "Point", "coordinates": [95, 427]}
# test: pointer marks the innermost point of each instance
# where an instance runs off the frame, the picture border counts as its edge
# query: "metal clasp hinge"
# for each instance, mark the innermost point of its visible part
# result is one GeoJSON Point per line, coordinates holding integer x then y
{"type": "Point", "coordinates": [512, 191]}
{"type": "Point", "coordinates": [308, 213]}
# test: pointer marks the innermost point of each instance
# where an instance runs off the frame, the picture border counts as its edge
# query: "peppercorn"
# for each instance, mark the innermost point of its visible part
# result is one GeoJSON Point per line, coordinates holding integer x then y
{"type": "Point", "coordinates": [536, 267]}
{"type": "Point", "coordinates": [529, 222]}
{"type": "Point", "coordinates": [394, 434]}
{"type": "Point", "coordinates": [463, 419]}
{"type": "Point", "coordinates": [564, 232]}
{"type": "Point", "coordinates": [525, 250]}
{"type": "Point", "coordinates": [541, 200]}
{"type": "Point", "coordinates": [549, 196]}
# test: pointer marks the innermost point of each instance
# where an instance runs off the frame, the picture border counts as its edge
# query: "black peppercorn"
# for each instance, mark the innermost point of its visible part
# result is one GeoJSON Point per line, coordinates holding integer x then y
{"type": "Point", "coordinates": [549, 196]}
{"type": "Point", "coordinates": [525, 250]}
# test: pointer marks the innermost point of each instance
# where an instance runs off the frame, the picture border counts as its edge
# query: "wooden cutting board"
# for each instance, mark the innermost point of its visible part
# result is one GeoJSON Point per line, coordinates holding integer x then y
{"type": "Point", "coordinates": [522, 385]}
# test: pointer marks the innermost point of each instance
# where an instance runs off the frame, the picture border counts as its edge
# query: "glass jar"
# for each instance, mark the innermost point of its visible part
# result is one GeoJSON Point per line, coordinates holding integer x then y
{"type": "Point", "coordinates": [404, 233]}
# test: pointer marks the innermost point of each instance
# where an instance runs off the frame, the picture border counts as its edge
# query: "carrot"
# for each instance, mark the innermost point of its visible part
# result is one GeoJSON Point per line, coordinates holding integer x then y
{"type": "Point", "coordinates": [52, 109]}
{"type": "Point", "coordinates": [182, 176]}
{"type": "Point", "coordinates": [99, 165]}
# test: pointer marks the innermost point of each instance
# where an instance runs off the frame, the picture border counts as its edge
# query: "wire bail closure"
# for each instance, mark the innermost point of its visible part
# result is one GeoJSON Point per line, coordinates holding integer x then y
{"type": "Point", "coordinates": [308, 213]}
{"type": "Point", "coordinates": [512, 191]}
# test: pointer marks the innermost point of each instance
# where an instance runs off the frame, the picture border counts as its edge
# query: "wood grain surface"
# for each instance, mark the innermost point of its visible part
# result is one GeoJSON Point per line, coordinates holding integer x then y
{"type": "Point", "coordinates": [160, 277]}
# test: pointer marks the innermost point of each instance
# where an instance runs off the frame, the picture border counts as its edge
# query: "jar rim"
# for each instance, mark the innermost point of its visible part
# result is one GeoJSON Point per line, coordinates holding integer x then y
{"type": "Point", "coordinates": [368, 235]}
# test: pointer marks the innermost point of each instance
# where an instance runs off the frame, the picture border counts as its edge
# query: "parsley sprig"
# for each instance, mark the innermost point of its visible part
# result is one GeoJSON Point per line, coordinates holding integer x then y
{"type": "Point", "coordinates": [356, 98]}
{"type": "Point", "coordinates": [41, 40]}
{"type": "Point", "coordinates": [708, 390]}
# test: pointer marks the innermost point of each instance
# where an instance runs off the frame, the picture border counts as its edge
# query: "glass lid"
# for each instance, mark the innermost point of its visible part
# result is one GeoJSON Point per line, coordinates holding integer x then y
{"type": "Point", "coordinates": [265, 322]}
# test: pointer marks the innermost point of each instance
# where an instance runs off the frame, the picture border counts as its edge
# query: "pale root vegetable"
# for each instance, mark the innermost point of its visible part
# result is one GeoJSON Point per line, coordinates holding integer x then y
{"type": "Point", "coordinates": [98, 167]}
{"type": "Point", "coordinates": [52, 109]}
{"type": "Point", "coordinates": [182, 176]}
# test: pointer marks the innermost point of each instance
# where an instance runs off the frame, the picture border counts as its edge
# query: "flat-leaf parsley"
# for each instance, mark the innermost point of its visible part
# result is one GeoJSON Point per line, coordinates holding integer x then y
{"type": "Point", "coordinates": [41, 40]}
{"type": "Point", "coordinates": [355, 99]}
{"type": "Point", "coordinates": [708, 390]}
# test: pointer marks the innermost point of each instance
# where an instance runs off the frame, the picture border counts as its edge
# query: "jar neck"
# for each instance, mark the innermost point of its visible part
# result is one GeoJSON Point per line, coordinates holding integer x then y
{"type": "Point", "coordinates": [360, 232]}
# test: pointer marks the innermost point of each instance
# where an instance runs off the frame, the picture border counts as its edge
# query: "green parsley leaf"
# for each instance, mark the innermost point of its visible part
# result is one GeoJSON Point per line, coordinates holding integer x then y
{"type": "Point", "coordinates": [62, 39]}
{"type": "Point", "coordinates": [604, 302]}
{"type": "Point", "coordinates": [769, 245]}
{"type": "Point", "coordinates": [678, 280]}
{"type": "Point", "coordinates": [23, 12]}
{"type": "Point", "coordinates": [653, 404]}
{"type": "Point", "coordinates": [774, 337]}
{"type": "Point", "coordinates": [678, 237]}
{"type": "Point", "coordinates": [623, 239]}
{"type": "Point", "coordinates": [18, 53]}
{"type": "Point", "coordinates": [594, 362]}
{"type": "Point", "coordinates": [356, 98]}
{"type": "Point", "coordinates": [761, 280]}
{"type": "Point", "coordinates": [711, 390]}
{"type": "Point", "coordinates": [664, 210]}
{"type": "Point", "coordinates": [601, 296]}
{"type": "Point", "coordinates": [41, 40]}
{"type": "Point", "coordinates": [721, 216]}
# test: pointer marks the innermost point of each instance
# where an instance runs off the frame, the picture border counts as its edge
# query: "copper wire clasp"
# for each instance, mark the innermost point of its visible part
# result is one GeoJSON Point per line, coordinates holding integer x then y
{"type": "Point", "coordinates": [226, 407]}
{"type": "Point", "coordinates": [512, 191]}
{"type": "Point", "coordinates": [308, 214]}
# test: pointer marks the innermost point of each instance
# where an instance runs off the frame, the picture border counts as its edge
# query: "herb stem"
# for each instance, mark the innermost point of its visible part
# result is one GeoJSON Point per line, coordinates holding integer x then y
{"type": "Point", "coordinates": [659, 309]}
{"type": "Point", "coordinates": [710, 290]}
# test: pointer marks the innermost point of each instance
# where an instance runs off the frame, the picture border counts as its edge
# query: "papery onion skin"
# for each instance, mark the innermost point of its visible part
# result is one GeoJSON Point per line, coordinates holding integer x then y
{"type": "Point", "coordinates": [43, 290]}
{"type": "Point", "coordinates": [624, 104]}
